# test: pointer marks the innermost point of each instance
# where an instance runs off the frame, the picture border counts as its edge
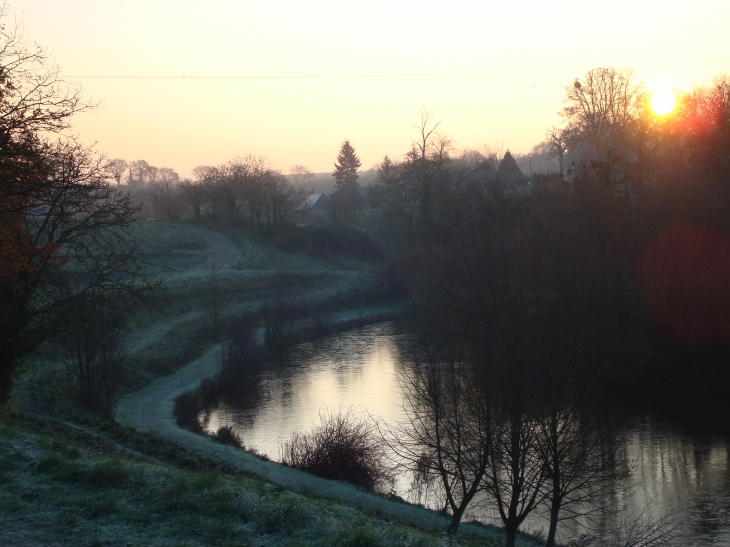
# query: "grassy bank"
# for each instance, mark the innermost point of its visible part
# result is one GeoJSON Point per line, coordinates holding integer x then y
{"type": "Point", "coordinates": [65, 487]}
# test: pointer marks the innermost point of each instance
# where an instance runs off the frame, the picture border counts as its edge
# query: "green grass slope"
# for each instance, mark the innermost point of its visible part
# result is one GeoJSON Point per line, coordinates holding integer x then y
{"type": "Point", "coordinates": [62, 488]}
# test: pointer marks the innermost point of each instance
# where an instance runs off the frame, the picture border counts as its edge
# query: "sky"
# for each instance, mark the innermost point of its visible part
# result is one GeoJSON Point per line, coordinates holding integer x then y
{"type": "Point", "coordinates": [185, 83]}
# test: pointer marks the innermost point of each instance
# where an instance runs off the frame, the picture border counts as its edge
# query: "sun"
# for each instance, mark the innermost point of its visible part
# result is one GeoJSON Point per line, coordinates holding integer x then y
{"type": "Point", "coordinates": [663, 102]}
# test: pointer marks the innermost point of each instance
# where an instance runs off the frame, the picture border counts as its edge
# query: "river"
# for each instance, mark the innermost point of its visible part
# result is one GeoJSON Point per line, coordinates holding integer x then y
{"type": "Point", "coordinates": [679, 446]}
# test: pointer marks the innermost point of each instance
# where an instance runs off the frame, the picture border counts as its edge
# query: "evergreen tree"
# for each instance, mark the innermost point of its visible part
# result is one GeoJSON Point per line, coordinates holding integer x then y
{"type": "Point", "coordinates": [346, 196]}
{"type": "Point", "coordinates": [509, 173]}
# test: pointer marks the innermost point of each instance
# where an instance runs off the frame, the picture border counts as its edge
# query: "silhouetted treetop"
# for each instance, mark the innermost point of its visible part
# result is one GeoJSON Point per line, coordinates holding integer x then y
{"type": "Point", "coordinates": [346, 167]}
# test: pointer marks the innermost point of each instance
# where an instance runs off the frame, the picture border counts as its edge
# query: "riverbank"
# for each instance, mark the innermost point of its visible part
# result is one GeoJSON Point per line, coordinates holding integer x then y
{"type": "Point", "coordinates": [63, 486]}
{"type": "Point", "coordinates": [151, 410]}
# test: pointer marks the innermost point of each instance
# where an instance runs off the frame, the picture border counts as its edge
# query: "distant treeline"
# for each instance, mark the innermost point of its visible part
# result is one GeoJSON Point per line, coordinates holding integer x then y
{"type": "Point", "coordinates": [629, 233]}
{"type": "Point", "coordinates": [244, 190]}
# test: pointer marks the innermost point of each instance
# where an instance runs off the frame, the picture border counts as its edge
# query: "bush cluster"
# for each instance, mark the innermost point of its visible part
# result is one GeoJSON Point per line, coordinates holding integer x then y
{"type": "Point", "coordinates": [343, 447]}
{"type": "Point", "coordinates": [227, 435]}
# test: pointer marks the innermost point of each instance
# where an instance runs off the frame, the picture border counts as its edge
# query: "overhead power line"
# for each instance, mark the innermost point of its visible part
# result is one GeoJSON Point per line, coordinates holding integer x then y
{"type": "Point", "coordinates": [362, 76]}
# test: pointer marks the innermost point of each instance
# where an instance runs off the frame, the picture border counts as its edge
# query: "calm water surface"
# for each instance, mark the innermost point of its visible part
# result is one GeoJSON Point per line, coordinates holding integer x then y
{"type": "Point", "coordinates": [680, 447]}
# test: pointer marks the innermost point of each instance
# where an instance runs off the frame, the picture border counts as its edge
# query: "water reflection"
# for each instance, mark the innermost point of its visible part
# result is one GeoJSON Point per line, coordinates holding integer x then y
{"type": "Point", "coordinates": [355, 369]}
{"type": "Point", "coordinates": [679, 446]}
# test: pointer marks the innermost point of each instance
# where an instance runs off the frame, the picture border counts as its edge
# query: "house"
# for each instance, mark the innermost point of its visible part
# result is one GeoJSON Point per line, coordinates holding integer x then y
{"type": "Point", "coordinates": [315, 208]}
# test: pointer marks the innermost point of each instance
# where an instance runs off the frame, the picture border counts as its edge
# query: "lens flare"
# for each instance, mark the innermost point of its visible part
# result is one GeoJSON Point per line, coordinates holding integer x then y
{"type": "Point", "coordinates": [663, 102]}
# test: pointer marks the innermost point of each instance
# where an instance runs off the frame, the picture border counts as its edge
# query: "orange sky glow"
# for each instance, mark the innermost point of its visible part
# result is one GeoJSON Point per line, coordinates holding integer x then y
{"type": "Point", "coordinates": [185, 83]}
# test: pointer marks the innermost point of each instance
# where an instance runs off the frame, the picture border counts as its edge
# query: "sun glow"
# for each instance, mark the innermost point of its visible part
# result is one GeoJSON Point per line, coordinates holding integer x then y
{"type": "Point", "coordinates": [663, 102]}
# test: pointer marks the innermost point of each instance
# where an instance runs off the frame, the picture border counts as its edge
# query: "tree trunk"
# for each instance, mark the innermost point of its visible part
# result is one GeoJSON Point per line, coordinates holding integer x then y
{"type": "Point", "coordinates": [511, 535]}
{"type": "Point", "coordinates": [554, 511]}
{"type": "Point", "coordinates": [456, 520]}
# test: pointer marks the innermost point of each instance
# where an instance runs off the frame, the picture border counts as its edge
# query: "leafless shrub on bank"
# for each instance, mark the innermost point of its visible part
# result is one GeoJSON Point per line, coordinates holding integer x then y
{"type": "Point", "coordinates": [321, 321]}
{"type": "Point", "coordinates": [93, 349]}
{"type": "Point", "coordinates": [214, 302]}
{"type": "Point", "coordinates": [241, 357]}
{"type": "Point", "coordinates": [343, 447]}
{"type": "Point", "coordinates": [227, 435]}
{"type": "Point", "coordinates": [191, 405]}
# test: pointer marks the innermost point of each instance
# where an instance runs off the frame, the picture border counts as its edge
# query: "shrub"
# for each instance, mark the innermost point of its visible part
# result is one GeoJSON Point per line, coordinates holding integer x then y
{"type": "Point", "coordinates": [227, 435]}
{"type": "Point", "coordinates": [278, 323]}
{"type": "Point", "coordinates": [343, 447]}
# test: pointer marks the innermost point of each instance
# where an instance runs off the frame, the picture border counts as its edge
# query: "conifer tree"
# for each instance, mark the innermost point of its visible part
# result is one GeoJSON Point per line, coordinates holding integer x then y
{"type": "Point", "coordinates": [346, 195]}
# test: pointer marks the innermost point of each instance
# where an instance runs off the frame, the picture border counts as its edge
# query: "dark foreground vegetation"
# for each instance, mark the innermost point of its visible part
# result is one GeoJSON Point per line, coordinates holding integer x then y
{"type": "Point", "coordinates": [67, 487]}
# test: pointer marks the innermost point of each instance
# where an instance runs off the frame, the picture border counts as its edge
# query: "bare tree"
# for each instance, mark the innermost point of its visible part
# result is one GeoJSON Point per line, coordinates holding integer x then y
{"type": "Point", "coordinates": [600, 109]}
{"type": "Point", "coordinates": [140, 172]}
{"type": "Point", "coordinates": [426, 162]}
{"type": "Point", "coordinates": [443, 437]}
{"type": "Point", "coordinates": [285, 198]}
{"type": "Point", "coordinates": [515, 476]}
{"type": "Point", "coordinates": [583, 462]}
{"type": "Point", "coordinates": [558, 140]}
{"type": "Point", "coordinates": [300, 176]}
{"type": "Point", "coordinates": [74, 237]}
{"type": "Point", "coordinates": [116, 169]}
{"type": "Point", "coordinates": [166, 181]}
{"type": "Point", "coordinates": [194, 194]}
{"type": "Point", "coordinates": [92, 347]}
{"type": "Point", "coordinates": [34, 97]}
{"type": "Point", "coordinates": [704, 125]}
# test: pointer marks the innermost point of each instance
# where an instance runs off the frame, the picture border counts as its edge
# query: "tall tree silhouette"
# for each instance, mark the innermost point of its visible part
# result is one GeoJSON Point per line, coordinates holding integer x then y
{"type": "Point", "coordinates": [346, 196]}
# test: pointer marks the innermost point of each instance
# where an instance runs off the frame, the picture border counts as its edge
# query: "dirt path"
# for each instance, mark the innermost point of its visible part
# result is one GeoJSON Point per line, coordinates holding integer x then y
{"type": "Point", "coordinates": [221, 250]}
